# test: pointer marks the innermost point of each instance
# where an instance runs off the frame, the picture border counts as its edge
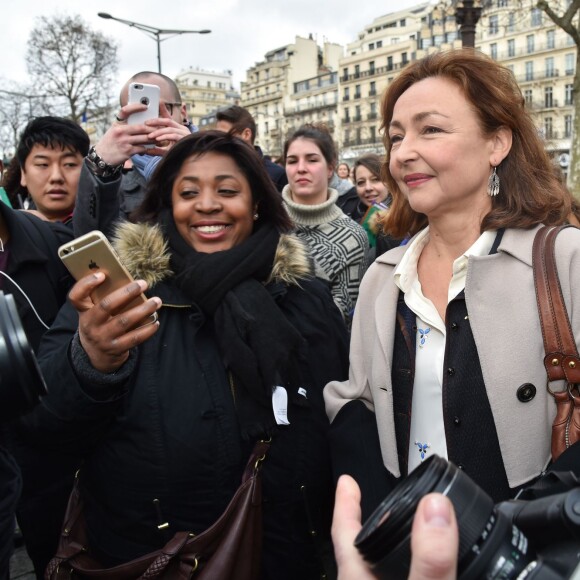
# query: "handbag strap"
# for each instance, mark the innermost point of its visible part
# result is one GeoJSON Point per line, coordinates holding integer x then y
{"type": "Point", "coordinates": [561, 359]}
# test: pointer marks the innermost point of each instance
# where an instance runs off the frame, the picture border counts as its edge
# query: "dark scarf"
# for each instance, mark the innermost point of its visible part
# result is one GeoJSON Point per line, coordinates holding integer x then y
{"type": "Point", "coordinates": [256, 340]}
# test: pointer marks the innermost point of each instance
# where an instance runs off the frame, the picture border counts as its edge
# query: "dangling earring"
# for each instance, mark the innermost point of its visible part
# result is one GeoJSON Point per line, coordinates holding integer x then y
{"type": "Point", "coordinates": [493, 183]}
{"type": "Point", "coordinates": [256, 216]}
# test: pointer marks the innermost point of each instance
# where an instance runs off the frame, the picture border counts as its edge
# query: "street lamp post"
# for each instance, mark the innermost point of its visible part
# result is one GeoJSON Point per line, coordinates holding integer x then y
{"type": "Point", "coordinates": [153, 32]}
{"type": "Point", "coordinates": [467, 17]}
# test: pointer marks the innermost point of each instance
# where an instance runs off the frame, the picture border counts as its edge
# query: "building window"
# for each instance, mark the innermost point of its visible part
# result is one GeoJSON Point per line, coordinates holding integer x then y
{"type": "Point", "coordinates": [389, 63]}
{"type": "Point", "coordinates": [404, 59]}
{"type": "Point", "coordinates": [451, 36]}
{"type": "Point", "coordinates": [373, 113]}
{"type": "Point", "coordinates": [548, 128]}
{"type": "Point", "coordinates": [502, 3]}
{"type": "Point", "coordinates": [346, 115]}
{"type": "Point", "coordinates": [357, 116]}
{"type": "Point", "coordinates": [402, 22]}
{"type": "Point", "coordinates": [372, 89]}
{"type": "Point", "coordinates": [356, 71]}
{"type": "Point", "coordinates": [493, 24]}
{"type": "Point", "coordinates": [530, 43]}
{"type": "Point", "coordinates": [548, 97]}
{"type": "Point", "coordinates": [372, 67]}
{"type": "Point", "coordinates": [493, 50]}
{"type": "Point", "coordinates": [357, 92]}
{"type": "Point", "coordinates": [511, 22]}
{"type": "Point", "coordinates": [372, 46]}
{"type": "Point", "coordinates": [345, 74]}
{"type": "Point", "coordinates": [511, 47]}
{"type": "Point", "coordinates": [550, 70]}
{"type": "Point", "coordinates": [373, 134]}
{"type": "Point", "coordinates": [426, 42]}
{"type": "Point", "coordinates": [379, 43]}
{"type": "Point", "coordinates": [551, 39]}
{"type": "Point", "coordinates": [536, 18]}
{"type": "Point", "coordinates": [528, 96]}
{"type": "Point", "coordinates": [346, 96]}
{"type": "Point", "coordinates": [347, 137]}
{"type": "Point", "coordinates": [569, 95]}
{"type": "Point", "coordinates": [568, 126]}
{"type": "Point", "coordinates": [570, 63]}
{"type": "Point", "coordinates": [530, 70]}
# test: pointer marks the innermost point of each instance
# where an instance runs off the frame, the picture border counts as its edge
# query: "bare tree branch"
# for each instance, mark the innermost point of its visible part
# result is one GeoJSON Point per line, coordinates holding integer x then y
{"type": "Point", "coordinates": [68, 60]}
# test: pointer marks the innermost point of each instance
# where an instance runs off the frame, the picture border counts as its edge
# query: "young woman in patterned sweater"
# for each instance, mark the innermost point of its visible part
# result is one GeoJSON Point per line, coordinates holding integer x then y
{"type": "Point", "coordinates": [338, 244]}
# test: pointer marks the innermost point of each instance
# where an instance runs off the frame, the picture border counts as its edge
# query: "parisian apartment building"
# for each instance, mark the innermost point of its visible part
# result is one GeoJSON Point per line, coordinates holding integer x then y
{"type": "Point", "coordinates": [206, 91]}
{"type": "Point", "coordinates": [322, 82]}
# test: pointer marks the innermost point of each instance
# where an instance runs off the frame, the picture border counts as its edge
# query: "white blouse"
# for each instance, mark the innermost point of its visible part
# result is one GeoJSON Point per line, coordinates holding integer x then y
{"type": "Point", "coordinates": [427, 427]}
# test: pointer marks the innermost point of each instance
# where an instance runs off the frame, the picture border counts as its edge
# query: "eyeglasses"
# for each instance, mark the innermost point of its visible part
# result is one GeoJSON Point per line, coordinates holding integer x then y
{"type": "Point", "coordinates": [169, 107]}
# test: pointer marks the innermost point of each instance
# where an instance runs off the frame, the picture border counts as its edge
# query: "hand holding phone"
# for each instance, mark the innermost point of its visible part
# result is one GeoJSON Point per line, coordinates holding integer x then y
{"type": "Point", "coordinates": [124, 318]}
{"type": "Point", "coordinates": [92, 253]}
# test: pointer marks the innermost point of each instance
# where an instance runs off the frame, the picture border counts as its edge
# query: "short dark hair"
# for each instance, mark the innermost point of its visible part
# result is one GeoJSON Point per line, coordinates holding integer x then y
{"type": "Point", "coordinates": [531, 193]}
{"type": "Point", "coordinates": [319, 134]}
{"type": "Point", "coordinates": [53, 132]}
{"type": "Point", "coordinates": [264, 193]}
{"type": "Point", "coordinates": [240, 119]}
{"type": "Point", "coordinates": [144, 74]}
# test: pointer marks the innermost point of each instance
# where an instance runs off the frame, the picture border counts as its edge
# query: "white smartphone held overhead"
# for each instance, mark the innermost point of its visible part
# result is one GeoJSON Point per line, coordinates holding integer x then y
{"type": "Point", "coordinates": [93, 253]}
{"type": "Point", "coordinates": [146, 95]}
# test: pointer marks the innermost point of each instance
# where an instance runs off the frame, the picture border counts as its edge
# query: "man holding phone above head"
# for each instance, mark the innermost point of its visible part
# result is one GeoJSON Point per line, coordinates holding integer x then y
{"type": "Point", "coordinates": [108, 190]}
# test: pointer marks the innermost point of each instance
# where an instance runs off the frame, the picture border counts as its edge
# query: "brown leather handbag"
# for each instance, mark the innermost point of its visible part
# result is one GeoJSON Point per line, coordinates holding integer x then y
{"type": "Point", "coordinates": [230, 548]}
{"type": "Point", "coordinates": [561, 359]}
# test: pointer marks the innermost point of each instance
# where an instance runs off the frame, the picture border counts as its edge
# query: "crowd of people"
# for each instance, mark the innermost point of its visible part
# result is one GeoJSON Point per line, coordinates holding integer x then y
{"type": "Point", "coordinates": [361, 319]}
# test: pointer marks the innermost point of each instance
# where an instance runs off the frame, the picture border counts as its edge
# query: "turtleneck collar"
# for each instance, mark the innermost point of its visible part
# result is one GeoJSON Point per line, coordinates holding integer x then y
{"type": "Point", "coordinates": [312, 215]}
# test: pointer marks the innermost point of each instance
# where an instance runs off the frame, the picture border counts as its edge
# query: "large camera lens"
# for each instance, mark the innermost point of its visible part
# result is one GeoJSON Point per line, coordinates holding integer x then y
{"type": "Point", "coordinates": [21, 383]}
{"type": "Point", "coordinates": [489, 545]}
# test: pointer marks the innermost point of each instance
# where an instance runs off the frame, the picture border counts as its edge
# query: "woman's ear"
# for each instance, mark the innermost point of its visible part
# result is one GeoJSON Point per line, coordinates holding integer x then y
{"type": "Point", "coordinates": [501, 145]}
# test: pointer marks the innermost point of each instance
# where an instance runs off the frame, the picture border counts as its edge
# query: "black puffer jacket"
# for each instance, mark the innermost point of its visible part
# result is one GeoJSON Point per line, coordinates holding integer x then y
{"type": "Point", "coordinates": [169, 431]}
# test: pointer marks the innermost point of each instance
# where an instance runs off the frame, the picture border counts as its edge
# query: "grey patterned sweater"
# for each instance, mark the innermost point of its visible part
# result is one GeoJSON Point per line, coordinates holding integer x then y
{"type": "Point", "coordinates": [339, 246]}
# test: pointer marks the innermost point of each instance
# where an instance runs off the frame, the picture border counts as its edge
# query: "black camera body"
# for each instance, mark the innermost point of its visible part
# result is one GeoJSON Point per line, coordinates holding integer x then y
{"type": "Point", "coordinates": [516, 539]}
{"type": "Point", "coordinates": [21, 382]}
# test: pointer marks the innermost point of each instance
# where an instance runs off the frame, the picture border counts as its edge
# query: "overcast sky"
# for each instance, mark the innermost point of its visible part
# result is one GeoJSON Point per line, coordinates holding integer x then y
{"type": "Point", "coordinates": [242, 30]}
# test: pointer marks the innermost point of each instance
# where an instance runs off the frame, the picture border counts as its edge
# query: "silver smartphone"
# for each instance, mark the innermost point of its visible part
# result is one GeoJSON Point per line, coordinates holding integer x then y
{"type": "Point", "coordinates": [146, 95]}
{"type": "Point", "coordinates": [93, 253]}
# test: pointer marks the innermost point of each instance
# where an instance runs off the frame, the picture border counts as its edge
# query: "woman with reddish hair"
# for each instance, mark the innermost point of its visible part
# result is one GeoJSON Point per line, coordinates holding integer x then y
{"type": "Point", "coordinates": [446, 353]}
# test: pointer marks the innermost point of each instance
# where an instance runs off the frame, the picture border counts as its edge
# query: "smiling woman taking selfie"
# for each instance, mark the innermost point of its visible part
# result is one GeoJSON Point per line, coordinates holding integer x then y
{"type": "Point", "coordinates": [447, 352]}
{"type": "Point", "coordinates": [168, 414]}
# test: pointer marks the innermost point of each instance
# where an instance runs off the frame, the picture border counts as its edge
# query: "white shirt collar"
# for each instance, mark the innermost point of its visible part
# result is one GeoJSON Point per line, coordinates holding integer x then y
{"type": "Point", "coordinates": [406, 272]}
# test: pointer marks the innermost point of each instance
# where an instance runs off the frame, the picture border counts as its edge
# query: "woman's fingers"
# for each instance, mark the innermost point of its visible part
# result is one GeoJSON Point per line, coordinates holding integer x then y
{"type": "Point", "coordinates": [80, 293]}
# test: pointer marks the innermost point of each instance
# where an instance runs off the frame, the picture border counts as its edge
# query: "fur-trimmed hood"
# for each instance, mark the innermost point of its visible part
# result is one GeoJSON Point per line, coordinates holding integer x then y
{"type": "Point", "coordinates": [145, 253]}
